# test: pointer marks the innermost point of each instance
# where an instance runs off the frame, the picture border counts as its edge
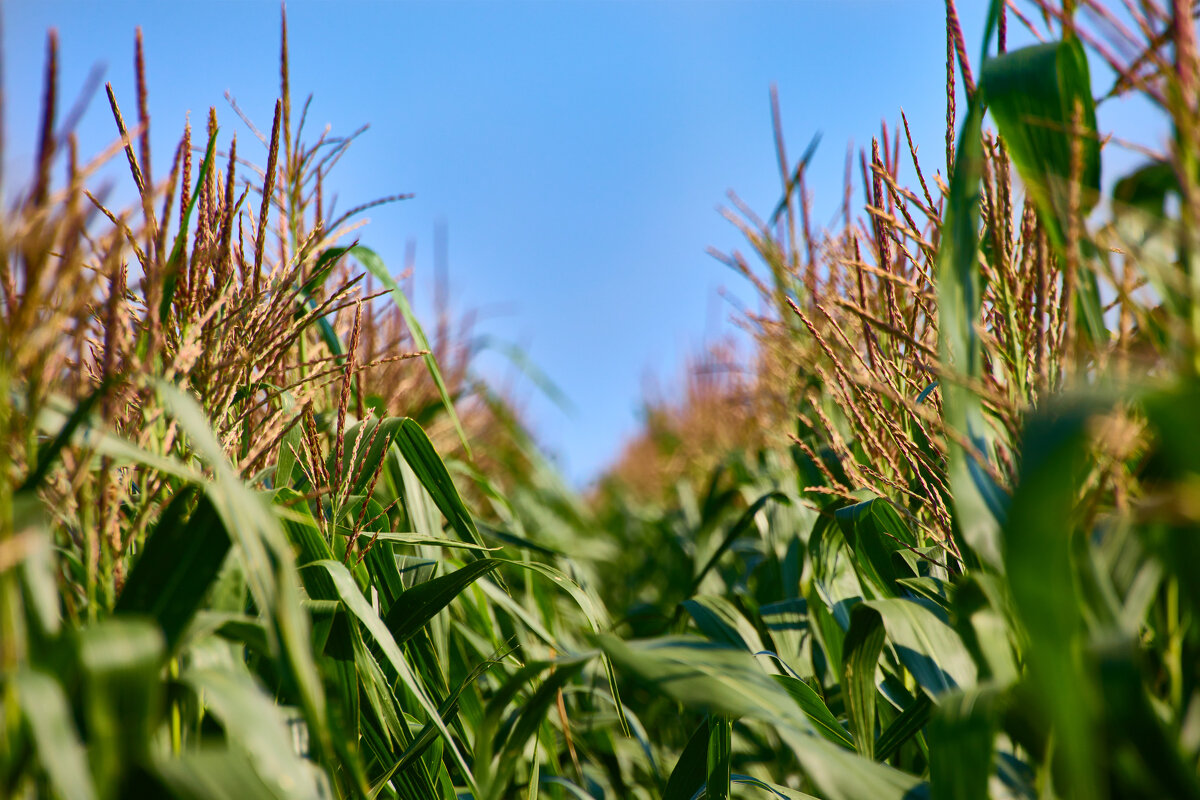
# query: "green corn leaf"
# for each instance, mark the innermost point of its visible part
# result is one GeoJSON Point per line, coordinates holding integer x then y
{"type": "Point", "coordinates": [253, 721]}
{"type": "Point", "coordinates": [1041, 99]}
{"type": "Point", "coordinates": [38, 568]}
{"type": "Point", "coordinates": [829, 634]}
{"type": "Point", "coordinates": [1038, 559]}
{"type": "Point", "coordinates": [986, 633]}
{"type": "Point", "coordinates": [738, 529]}
{"type": "Point", "coordinates": [978, 503]}
{"type": "Point", "coordinates": [1035, 94]}
{"type": "Point", "coordinates": [961, 740]}
{"type": "Point", "coordinates": [234, 627]}
{"type": "Point", "coordinates": [729, 682]}
{"type": "Point", "coordinates": [788, 625]}
{"type": "Point", "coordinates": [720, 620]}
{"type": "Point", "coordinates": [814, 707]}
{"type": "Point", "coordinates": [773, 789]}
{"type": "Point", "coordinates": [120, 661]}
{"type": "Point", "coordinates": [498, 730]}
{"type": "Point", "coordinates": [1171, 413]}
{"type": "Point", "coordinates": [361, 670]}
{"type": "Point", "coordinates": [61, 753]}
{"type": "Point", "coordinates": [357, 605]}
{"type": "Point", "coordinates": [904, 727]}
{"type": "Point", "coordinates": [720, 755]}
{"type": "Point", "coordinates": [929, 648]}
{"type": "Point", "coordinates": [535, 773]}
{"type": "Point", "coordinates": [860, 656]}
{"type": "Point", "coordinates": [875, 531]}
{"type": "Point", "coordinates": [243, 512]}
{"type": "Point", "coordinates": [267, 560]}
{"type": "Point", "coordinates": [418, 451]}
{"type": "Point", "coordinates": [178, 564]}
{"type": "Point", "coordinates": [520, 359]}
{"type": "Point", "coordinates": [534, 709]}
{"type": "Point", "coordinates": [55, 416]}
{"type": "Point", "coordinates": [409, 537]}
{"type": "Point", "coordinates": [1133, 718]}
{"type": "Point", "coordinates": [212, 773]}
{"type": "Point", "coordinates": [931, 589]}
{"type": "Point", "coordinates": [688, 775]}
{"type": "Point", "coordinates": [835, 580]}
{"type": "Point", "coordinates": [290, 447]}
{"type": "Point", "coordinates": [417, 605]}
{"type": "Point", "coordinates": [48, 453]}
{"type": "Point", "coordinates": [428, 735]}
{"type": "Point", "coordinates": [718, 679]}
{"type": "Point", "coordinates": [323, 267]}
{"type": "Point", "coordinates": [593, 611]}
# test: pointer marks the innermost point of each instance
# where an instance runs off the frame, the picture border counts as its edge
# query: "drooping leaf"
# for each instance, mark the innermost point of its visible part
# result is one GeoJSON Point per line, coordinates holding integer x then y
{"type": "Point", "coordinates": [875, 531]}
{"type": "Point", "coordinates": [814, 707]}
{"type": "Point", "coordinates": [418, 451]}
{"type": "Point", "coordinates": [773, 790]}
{"type": "Point", "coordinates": [720, 620]}
{"type": "Point", "coordinates": [211, 773]}
{"type": "Point", "coordinates": [48, 453]}
{"type": "Point", "coordinates": [929, 648]}
{"type": "Point", "coordinates": [737, 530]}
{"type": "Point", "coordinates": [1041, 99]}
{"type": "Point", "coordinates": [730, 682]}
{"type": "Point", "coordinates": [789, 627]}
{"type": "Point", "coordinates": [429, 733]}
{"type": "Point", "coordinates": [267, 561]}
{"type": "Point", "coordinates": [834, 579]}
{"type": "Point", "coordinates": [418, 604]}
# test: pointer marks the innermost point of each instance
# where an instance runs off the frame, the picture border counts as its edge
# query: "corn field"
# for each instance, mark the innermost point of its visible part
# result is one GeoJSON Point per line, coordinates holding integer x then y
{"type": "Point", "coordinates": [263, 537]}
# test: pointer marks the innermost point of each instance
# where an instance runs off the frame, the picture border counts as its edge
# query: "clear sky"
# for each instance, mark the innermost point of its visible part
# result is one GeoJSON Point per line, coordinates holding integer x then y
{"type": "Point", "coordinates": [577, 151]}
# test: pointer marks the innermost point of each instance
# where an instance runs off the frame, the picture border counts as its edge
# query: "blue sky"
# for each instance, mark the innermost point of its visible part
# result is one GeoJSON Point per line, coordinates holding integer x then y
{"type": "Point", "coordinates": [576, 151]}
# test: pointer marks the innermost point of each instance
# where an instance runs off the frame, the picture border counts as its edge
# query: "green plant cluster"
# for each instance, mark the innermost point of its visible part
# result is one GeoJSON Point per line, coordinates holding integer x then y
{"type": "Point", "coordinates": [231, 565]}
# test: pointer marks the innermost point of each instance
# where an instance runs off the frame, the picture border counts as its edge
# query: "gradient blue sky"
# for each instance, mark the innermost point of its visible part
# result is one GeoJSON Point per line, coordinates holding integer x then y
{"type": "Point", "coordinates": [577, 151]}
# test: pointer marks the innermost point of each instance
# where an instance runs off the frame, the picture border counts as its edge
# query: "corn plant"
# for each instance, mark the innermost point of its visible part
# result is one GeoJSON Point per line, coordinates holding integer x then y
{"type": "Point", "coordinates": [234, 563]}
{"type": "Point", "coordinates": [937, 543]}
{"type": "Point", "coordinates": [966, 578]}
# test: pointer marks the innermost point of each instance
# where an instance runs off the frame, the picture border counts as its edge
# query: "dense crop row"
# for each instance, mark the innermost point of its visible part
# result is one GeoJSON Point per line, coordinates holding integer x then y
{"type": "Point", "coordinates": [259, 537]}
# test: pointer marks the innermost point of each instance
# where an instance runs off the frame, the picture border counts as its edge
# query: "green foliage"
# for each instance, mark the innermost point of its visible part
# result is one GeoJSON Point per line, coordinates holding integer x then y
{"type": "Point", "coordinates": [338, 610]}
